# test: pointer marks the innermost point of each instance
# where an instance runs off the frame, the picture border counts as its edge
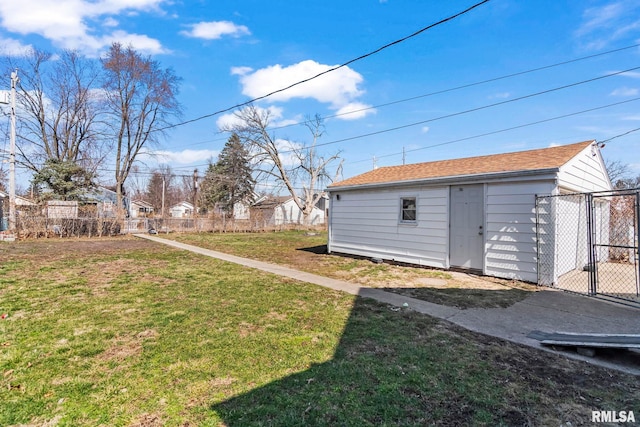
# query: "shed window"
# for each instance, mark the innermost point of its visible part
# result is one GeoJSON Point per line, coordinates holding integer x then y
{"type": "Point", "coordinates": [408, 212]}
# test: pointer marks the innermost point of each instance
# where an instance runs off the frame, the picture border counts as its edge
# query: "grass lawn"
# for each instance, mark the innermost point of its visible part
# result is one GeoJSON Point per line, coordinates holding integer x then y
{"type": "Point", "coordinates": [306, 252]}
{"type": "Point", "coordinates": [125, 332]}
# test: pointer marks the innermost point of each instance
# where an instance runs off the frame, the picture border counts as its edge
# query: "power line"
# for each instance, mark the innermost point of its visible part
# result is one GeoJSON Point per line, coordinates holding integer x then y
{"type": "Point", "coordinates": [452, 89]}
{"type": "Point", "coordinates": [468, 85]}
{"type": "Point", "coordinates": [366, 55]}
{"type": "Point", "coordinates": [620, 135]}
{"type": "Point", "coordinates": [471, 110]}
{"type": "Point", "coordinates": [512, 128]}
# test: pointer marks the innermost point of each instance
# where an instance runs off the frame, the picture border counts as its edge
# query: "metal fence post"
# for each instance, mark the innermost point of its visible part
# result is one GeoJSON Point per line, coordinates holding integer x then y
{"type": "Point", "coordinates": [592, 262]}
{"type": "Point", "coordinates": [637, 243]}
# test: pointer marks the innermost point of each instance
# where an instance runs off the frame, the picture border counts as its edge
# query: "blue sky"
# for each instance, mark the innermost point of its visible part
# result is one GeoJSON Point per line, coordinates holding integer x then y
{"type": "Point", "coordinates": [229, 52]}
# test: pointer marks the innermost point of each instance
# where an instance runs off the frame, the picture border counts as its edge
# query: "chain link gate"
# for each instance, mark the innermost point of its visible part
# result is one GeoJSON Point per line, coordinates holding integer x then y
{"type": "Point", "coordinates": [588, 243]}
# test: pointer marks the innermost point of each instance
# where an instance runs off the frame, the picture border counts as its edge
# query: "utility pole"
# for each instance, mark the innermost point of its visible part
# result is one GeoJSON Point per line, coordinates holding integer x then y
{"type": "Point", "coordinates": [195, 192]}
{"type": "Point", "coordinates": [12, 155]}
{"type": "Point", "coordinates": [163, 184]}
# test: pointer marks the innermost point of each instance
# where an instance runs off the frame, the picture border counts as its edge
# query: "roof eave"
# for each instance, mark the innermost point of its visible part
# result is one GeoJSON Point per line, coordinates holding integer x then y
{"type": "Point", "coordinates": [448, 179]}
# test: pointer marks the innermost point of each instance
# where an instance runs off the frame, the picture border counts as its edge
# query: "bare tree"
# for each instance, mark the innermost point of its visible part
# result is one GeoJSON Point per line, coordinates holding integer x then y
{"type": "Point", "coordinates": [621, 175]}
{"type": "Point", "coordinates": [3, 179]}
{"type": "Point", "coordinates": [309, 170]}
{"type": "Point", "coordinates": [189, 189]}
{"type": "Point", "coordinates": [60, 110]}
{"type": "Point", "coordinates": [141, 98]}
{"type": "Point", "coordinates": [161, 186]}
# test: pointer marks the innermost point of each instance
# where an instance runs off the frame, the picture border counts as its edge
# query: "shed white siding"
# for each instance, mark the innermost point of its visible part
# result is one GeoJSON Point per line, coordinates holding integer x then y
{"type": "Point", "coordinates": [585, 173]}
{"type": "Point", "coordinates": [367, 223]}
{"type": "Point", "coordinates": [289, 213]}
{"type": "Point", "coordinates": [364, 218]}
{"type": "Point", "coordinates": [510, 245]}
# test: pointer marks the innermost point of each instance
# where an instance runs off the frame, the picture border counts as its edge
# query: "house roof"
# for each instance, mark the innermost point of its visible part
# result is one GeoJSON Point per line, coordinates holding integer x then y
{"type": "Point", "coordinates": [271, 202]}
{"type": "Point", "coordinates": [532, 160]}
{"type": "Point", "coordinates": [19, 199]}
{"type": "Point", "coordinates": [183, 204]}
{"type": "Point", "coordinates": [142, 203]}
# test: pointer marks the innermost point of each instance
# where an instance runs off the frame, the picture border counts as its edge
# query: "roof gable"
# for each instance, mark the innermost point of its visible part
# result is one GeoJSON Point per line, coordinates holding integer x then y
{"type": "Point", "coordinates": [532, 160]}
{"type": "Point", "coordinates": [183, 204]}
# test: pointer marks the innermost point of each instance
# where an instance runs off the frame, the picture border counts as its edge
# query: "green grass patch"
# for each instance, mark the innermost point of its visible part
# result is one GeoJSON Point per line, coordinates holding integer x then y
{"type": "Point", "coordinates": [302, 251]}
{"type": "Point", "coordinates": [127, 332]}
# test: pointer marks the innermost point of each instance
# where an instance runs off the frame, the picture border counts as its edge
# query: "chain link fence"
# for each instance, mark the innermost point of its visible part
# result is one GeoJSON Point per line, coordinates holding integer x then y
{"type": "Point", "coordinates": [87, 221]}
{"type": "Point", "coordinates": [588, 243]}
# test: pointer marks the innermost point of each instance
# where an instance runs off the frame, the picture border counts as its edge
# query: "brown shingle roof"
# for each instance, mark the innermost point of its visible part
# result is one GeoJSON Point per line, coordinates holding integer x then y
{"type": "Point", "coordinates": [545, 158]}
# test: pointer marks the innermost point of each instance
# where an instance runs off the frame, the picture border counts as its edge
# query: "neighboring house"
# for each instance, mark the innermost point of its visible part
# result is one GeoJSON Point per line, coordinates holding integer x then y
{"type": "Point", "coordinates": [106, 202]}
{"type": "Point", "coordinates": [60, 209]}
{"type": "Point", "coordinates": [284, 210]}
{"type": "Point", "coordinates": [474, 213]}
{"type": "Point", "coordinates": [241, 211]}
{"type": "Point", "coordinates": [181, 210]}
{"type": "Point", "coordinates": [140, 209]}
{"type": "Point", "coordinates": [21, 203]}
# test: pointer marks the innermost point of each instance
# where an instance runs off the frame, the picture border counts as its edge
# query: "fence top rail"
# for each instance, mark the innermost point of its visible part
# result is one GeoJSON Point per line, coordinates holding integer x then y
{"type": "Point", "coordinates": [615, 192]}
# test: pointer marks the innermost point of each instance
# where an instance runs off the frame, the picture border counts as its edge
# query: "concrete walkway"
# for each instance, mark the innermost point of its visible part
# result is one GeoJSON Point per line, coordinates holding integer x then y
{"type": "Point", "coordinates": [547, 310]}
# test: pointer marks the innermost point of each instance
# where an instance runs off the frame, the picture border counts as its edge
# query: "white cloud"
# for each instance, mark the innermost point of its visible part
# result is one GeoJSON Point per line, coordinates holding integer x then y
{"type": "Point", "coordinates": [595, 18]}
{"type": "Point", "coordinates": [604, 24]}
{"type": "Point", "coordinates": [76, 24]}
{"type": "Point", "coordinates": [184, 157]}
{"type": "Point", "coordinates": [286, 149]}
{"type": "Point", "coordinates": [354, 111]}
{"type": "Point", "coordinates": [227, 121]}
{"type": "Point", "coordinates": [215, 30]}
{"type": "Point", "coordinates": [338, 88]}
{"type": "Point", "coordinates": [424, 129]}
{"type": "Point", "coordinates": [110, 22]}
{"type": "Point", "coordinates": [632, 74]}
{"type": "Point", "coordinates": [500, 95]}
{"type": "Point", "coordinates": [240, 71]}
{"type": "Point", "coordinates": [625, 91]}
{"type": "Point", "coordinates": [632, 118]}
{"type": "Point", "coordinates": [12, 47]}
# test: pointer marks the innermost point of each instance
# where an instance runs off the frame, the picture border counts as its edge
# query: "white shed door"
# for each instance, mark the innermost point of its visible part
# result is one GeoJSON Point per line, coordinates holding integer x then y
{"type": "Point", "coordinates": [466, 245]}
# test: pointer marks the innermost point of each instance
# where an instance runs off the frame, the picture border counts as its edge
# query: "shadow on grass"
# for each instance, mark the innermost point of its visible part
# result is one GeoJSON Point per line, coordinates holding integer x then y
{"type": "Point", "coordinates": [392, 367]}
{"type": "Point", "coordinates": [318, 250]}
{"type": "Point", "coordinates": [464, 298]}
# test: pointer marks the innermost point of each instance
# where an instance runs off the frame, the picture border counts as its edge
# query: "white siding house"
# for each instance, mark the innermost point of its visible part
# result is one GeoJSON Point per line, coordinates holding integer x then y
{"type": "Point", "coordinates": [181, 210]}
{"type": "Point", "coordinates": [283, 211]}
{"type": "Point", "coordinates": [475, 213]}
{"type": "Point", "coordinates": [140, 209]}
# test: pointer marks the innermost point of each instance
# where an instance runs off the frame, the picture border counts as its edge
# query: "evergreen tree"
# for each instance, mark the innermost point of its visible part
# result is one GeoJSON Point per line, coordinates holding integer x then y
{"type": "Point", "coordinates": [230, 179]}
{"type": "Point", "coordinates": [63, 180]}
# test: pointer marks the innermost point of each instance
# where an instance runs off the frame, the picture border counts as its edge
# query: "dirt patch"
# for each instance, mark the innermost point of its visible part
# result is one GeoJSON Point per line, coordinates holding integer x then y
{"type": "Point", "coordinates": [148, 420]}
{"type": "Point", "coordinates": [123, 348]}
{"type": "Point", "coordinates": [45, 249]}
{"type": "Point", "coordinates": [247, 329]}
{"type": "Point", "coordinates": [276, 316]}
{"type": "Point", "coordinates": [120, 350]}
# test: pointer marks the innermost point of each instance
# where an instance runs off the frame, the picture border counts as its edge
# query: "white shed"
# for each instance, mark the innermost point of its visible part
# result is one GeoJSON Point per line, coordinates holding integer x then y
{"type": "Point", "coordinates": [284, 210]}
{"type": "Point", "coordinates": [473, 213]}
